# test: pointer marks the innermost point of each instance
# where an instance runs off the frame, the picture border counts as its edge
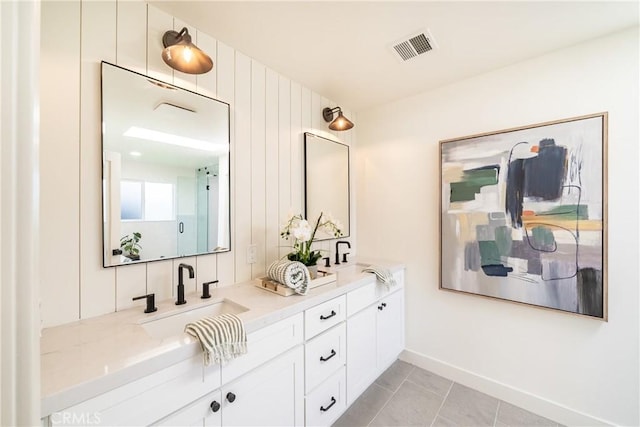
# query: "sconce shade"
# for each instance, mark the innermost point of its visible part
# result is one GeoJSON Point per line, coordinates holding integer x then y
{"type": "Point", "coordinates": [340, 123]}
{"type": "Point", "coordinates": [181, 54]}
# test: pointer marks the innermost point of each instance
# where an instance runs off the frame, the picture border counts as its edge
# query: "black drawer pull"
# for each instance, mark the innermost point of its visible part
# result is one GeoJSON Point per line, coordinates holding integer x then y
{"type": "Point", "coordinates": [333, 313]}
{"type": "Point", "coordinates": [384, 304]}
{"type": "Point", "coordinates": [333, 353]}
{"type": "Point", "coordinates": [231, 397]}
{"type": "Point", "coordinates": [380, 307]}
{"type": "Point", "coordinates": [333, 402]}
{"type": "Point", "coordinates": [215, 406]}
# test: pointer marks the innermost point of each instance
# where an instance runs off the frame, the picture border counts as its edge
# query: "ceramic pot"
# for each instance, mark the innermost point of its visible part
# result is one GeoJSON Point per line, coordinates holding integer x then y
{"type": "Point", "coordinates": [313, 271]}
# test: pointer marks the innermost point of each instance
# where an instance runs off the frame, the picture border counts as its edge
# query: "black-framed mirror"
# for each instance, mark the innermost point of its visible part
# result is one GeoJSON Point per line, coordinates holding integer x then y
{"type": "Point", "coordinates": [326, 183]}
{"type": "Point", "coordinates": [165, 170]}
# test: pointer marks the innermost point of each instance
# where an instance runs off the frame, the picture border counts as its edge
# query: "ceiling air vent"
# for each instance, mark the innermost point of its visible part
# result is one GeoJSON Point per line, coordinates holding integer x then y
{"type": "Point", "coordinates": [414, 45]}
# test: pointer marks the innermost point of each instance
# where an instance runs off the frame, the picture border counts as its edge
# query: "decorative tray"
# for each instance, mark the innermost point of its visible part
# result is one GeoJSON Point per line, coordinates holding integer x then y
{"type": "Point", "coordinates": [280, 289]}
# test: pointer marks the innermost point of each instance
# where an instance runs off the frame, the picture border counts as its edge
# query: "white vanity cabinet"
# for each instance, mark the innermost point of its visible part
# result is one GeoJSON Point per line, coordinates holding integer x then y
{"type": "Point", "coordinates": [272, 370]}
{"type": "Point", "coordinates": [389, 329]}
{"type": "Point", "coordinates": [361, 354]}
{"type": "Point", "coordinates": [375, 333]}
{"type": "Point", "coordinates": [271, 395]}
{"type": "Point", "coordinates": [305, 369]}
{"type": "Point", "coordinates": [204, 412]}
{"type": "Point", "coordinates": [145, 400]}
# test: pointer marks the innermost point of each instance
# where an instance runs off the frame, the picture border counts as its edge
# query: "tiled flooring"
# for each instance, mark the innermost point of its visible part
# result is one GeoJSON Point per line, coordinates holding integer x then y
{"type": "Point", "coordinates": [405, 395]}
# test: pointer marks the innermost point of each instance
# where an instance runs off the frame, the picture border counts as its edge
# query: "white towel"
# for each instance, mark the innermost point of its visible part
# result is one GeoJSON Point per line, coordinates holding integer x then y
{"type": "Point", "coordinates": [292, 274]}
{"type": "Point", "coordinates": [222, 337]}
{"type": "Point", "coordinates": [383, 275]}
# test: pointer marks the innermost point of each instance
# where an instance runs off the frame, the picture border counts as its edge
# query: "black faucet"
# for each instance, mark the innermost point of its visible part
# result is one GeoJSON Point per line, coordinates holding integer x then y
{"type": "Point", "coordinates": [181, 300]}
{"type": "Point", "coordinates": [337, 251]}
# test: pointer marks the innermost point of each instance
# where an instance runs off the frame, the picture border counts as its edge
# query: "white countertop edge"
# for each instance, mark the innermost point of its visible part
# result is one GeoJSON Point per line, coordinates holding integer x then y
{"type": "Point", "coordinates": [189, 347]}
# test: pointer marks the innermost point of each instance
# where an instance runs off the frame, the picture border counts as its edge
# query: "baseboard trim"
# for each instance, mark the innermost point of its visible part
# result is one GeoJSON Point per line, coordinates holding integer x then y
{"type": "Point", "coordinates": [515, 396]}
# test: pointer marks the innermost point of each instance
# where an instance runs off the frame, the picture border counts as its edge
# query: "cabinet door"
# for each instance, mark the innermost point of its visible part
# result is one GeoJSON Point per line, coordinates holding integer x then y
{"type": "Point", "coordinates": [271, 395]}
{"type": "Point", "coordinates": [361, 352]}
{"type": "Point", "coordinates": [204, 412]}
{"type": "Point", "coordinates": [390, 329]}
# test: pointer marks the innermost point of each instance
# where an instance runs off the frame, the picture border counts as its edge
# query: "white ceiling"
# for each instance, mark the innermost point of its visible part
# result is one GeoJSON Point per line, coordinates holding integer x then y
{"type": "Point", "coordinates": [342, 49]}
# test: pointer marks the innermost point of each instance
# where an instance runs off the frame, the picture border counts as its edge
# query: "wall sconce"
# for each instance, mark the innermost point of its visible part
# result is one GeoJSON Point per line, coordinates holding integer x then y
{"type": "Point", "coordinates": [340, 123]}
{"type": "Point", "coordinates": [182, 55]}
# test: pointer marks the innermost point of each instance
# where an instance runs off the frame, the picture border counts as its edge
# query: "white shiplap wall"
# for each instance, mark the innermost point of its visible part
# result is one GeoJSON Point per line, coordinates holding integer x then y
{"type": "Point", "coordinates": [269, 114]}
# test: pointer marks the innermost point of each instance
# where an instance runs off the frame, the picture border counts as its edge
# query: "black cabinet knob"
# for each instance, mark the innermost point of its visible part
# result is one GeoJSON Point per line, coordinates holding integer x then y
{"type": "Point", "coordinates": [215, 406]}
{"type": "Point", "coordinates": [231, 397]}
{"type": "Point", "coordinates": [380, 307]}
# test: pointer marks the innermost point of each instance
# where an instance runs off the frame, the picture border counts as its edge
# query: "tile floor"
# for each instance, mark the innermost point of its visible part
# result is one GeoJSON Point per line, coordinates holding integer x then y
{"type": "Point", "coordinates": [405, 395]}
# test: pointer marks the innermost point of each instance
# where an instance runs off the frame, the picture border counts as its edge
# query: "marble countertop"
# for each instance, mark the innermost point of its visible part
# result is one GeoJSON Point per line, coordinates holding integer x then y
{"type": "Point", "coordinates": [86, 358]}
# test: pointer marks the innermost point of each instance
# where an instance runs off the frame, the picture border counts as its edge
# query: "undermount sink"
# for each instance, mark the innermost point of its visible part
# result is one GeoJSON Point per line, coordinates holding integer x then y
{"type": "Point", "coordinates": [173, 323]}
{"type": "Point", "coordinates": [346, 267]}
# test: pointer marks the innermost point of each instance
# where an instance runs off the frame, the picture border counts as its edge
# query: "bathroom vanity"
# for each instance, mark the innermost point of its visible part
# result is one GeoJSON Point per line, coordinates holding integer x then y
{"type": "Point", "coordinates": [309, 357]}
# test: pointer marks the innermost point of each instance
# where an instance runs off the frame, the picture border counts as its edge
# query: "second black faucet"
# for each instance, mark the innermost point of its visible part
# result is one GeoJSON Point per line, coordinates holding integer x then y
{"type": "Point", "coordinates": [181, 267]}
{"type": "Point", "coordinates": [344, 259]}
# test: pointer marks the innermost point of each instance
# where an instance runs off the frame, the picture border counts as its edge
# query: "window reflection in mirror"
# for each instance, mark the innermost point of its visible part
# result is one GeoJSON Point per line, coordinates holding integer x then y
{"type": "Point", "coordinates": [165, 168]}
{"type": "Point", "coordinates": [326, 179]}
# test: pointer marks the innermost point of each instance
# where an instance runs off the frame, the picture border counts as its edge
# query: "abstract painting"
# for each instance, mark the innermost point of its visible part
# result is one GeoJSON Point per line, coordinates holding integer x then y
{"type": "Point", "coordinates": [523, 215]}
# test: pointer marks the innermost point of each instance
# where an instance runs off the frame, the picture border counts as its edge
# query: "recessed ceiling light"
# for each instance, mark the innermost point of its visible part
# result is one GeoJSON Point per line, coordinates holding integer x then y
{"type": "Point", "coordinates": [135, 153]}
{"type": "Point", "coordinates": [181, 141]}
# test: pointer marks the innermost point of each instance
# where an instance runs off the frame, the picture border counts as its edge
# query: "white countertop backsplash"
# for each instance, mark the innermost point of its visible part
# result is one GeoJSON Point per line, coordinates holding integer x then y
{"type": "Point", "coordinates": [89, 357]}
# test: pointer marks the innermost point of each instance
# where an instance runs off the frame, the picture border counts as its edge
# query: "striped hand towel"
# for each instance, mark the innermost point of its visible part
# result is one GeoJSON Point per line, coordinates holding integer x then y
{"type": "Point", "coordinates": [292, 274]}
{"type": "Point", "coordinates": [383, 275]}
{"type": "Point", "coordinates": [222, 337]}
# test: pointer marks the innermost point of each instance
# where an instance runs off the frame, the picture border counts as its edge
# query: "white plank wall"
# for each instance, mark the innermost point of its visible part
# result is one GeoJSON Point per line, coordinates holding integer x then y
{"type": "Point", "coordinates": [284, 154]}
{"type": "Point", "coordinates": [269, 115]}
{"type": "Point", "coordinates": [242, 163]}
{"type": "Point", "coordinates": [60, 162]}
{"type": "Point", "coordinates": [98, 35]}
{"type": "Point", "coordinates": [258, 167]}
{"type": "Point", "coordinates": [226, 90]}
{"type": "Point", "coordinates": [272, 190]}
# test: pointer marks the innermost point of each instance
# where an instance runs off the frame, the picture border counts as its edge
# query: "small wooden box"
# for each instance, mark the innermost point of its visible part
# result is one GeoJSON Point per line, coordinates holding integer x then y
{"type": "Point", "coordinates": [322, 279]}
{"type": "Point", "coordinates": [273, 286]}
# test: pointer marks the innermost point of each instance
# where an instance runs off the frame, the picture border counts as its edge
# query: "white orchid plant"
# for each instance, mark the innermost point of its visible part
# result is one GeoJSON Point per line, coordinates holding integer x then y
{"type": "Point", "coordinates": [303, 235]}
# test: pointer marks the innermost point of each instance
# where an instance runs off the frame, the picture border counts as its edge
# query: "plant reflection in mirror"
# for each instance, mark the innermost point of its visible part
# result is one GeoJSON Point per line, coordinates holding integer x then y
{"type": "Point", "coordinates": [131, 246]}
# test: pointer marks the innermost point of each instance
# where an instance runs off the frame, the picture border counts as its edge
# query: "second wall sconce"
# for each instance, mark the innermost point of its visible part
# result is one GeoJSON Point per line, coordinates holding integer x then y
{"type": "Point", "coordinates": [340, 123]}
{"type": "Point", "coordinates": [181, 54]}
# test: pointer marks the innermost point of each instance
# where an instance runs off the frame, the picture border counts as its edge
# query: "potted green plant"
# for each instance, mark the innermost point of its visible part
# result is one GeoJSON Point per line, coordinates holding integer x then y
{"type": "Point", "coordinates": [131, 246]}
{"type": "Point", "coordinates": [299, 229]}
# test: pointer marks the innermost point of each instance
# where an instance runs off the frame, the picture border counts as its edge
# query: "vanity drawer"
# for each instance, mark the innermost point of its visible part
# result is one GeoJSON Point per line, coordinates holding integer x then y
{"type": "Point", "coordinates": [361, 298]}
{"type": "Point", "coordinates": [323, 316]}
{"type": "Point", "coordinates": [327, 402]}
{"type": "Point", "coordinates": [324, 355]}
{"type": "Point", "coordinates": [265, 344]}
